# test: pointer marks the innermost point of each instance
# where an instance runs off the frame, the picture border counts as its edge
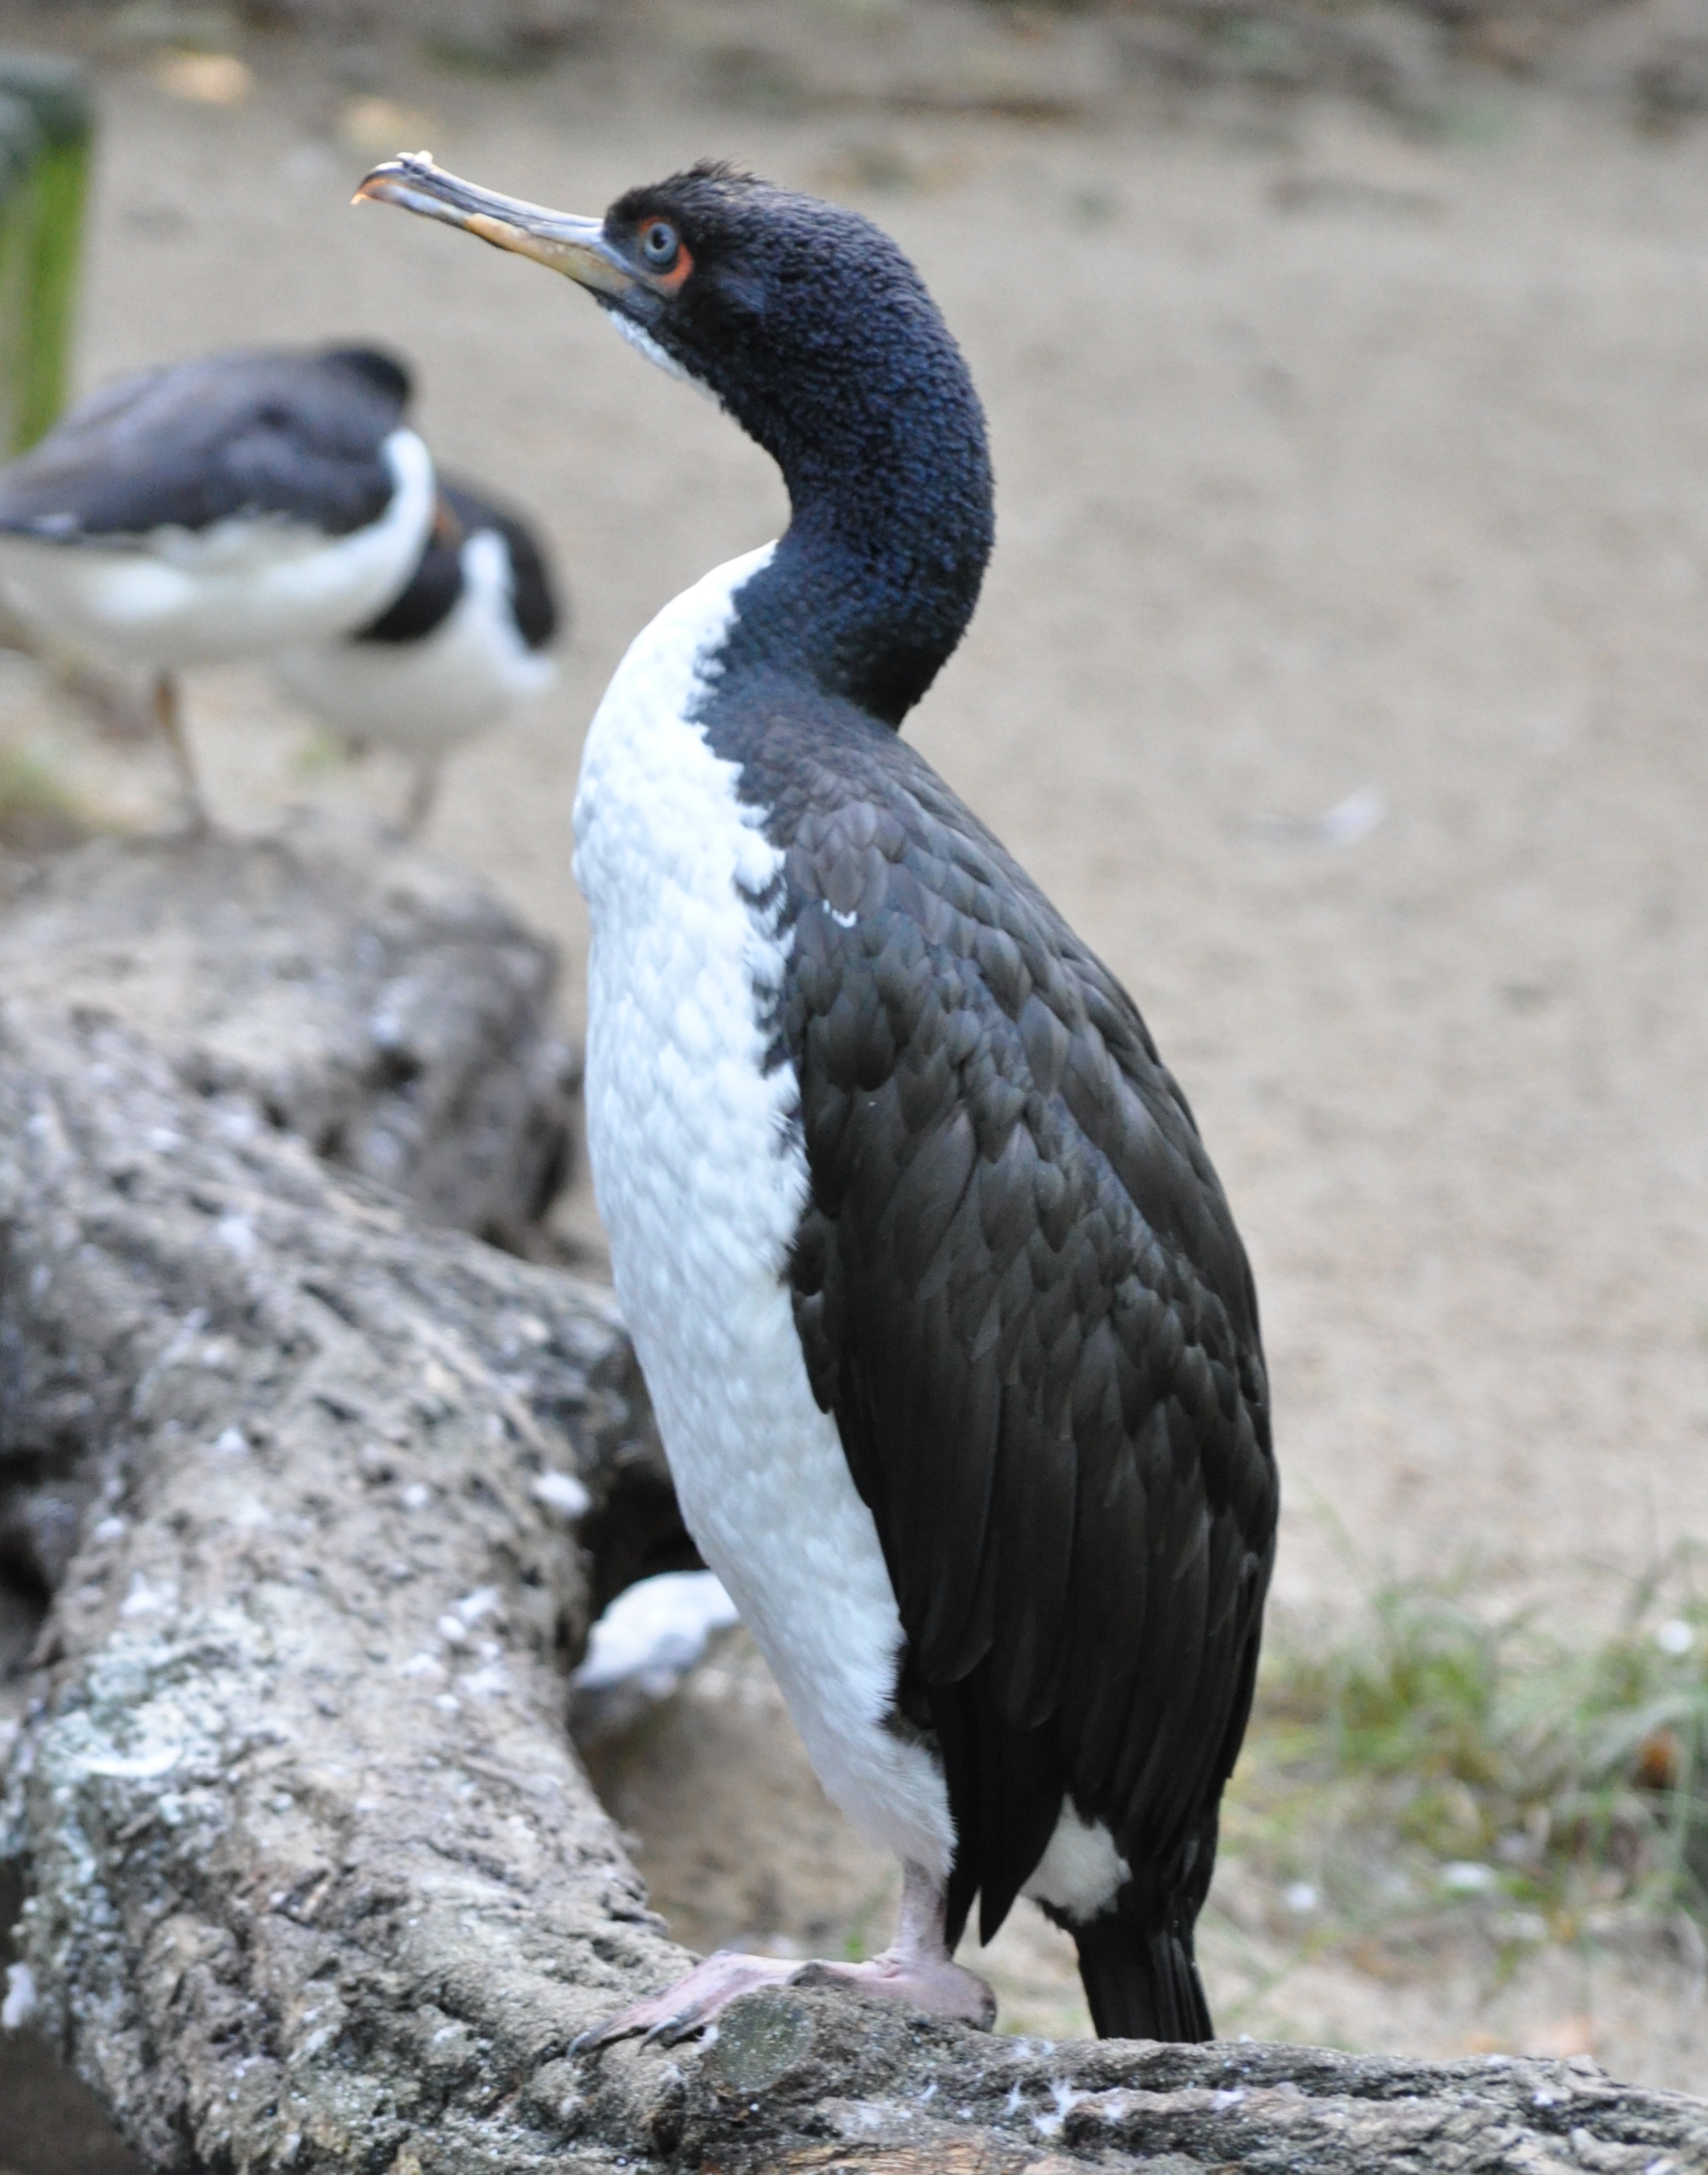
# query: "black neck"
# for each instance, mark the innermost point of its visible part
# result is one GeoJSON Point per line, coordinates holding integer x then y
{"type": "Point", "coordinates": [889, 484]}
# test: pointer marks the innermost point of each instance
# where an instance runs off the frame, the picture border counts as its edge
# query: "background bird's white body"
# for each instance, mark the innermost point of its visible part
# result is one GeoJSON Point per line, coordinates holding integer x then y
{"type": "Point", "coordinates": [427, 695]}
{"type": "Point", "coordinates": [701, 1183]}
{"type": "Point", "coordinates": [246, 586]}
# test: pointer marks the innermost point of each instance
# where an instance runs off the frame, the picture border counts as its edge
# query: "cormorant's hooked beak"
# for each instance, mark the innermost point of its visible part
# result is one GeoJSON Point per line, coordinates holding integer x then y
{"type": "Point", "coordinates": [575, 246]}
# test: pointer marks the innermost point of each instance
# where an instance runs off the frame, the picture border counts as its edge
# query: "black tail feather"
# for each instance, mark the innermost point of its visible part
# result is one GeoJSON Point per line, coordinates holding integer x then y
{"type": "Point", "coordinates": [1142, 1983]}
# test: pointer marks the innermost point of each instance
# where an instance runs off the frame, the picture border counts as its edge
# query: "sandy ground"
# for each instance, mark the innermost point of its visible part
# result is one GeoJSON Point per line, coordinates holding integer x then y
{"type": "Point", "coordinates": [1336, 472]}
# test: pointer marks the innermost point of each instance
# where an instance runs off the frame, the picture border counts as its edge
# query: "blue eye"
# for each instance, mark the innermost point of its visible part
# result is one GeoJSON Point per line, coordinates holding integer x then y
{"type": "Point", "coordinates": [659, 245]}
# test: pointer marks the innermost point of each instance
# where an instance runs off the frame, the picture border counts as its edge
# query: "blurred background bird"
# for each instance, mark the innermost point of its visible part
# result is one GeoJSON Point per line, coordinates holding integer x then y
{"type": "Point", "coordinates": [461, 646]}
{"type": "Point", "coordinates": [228, 507]}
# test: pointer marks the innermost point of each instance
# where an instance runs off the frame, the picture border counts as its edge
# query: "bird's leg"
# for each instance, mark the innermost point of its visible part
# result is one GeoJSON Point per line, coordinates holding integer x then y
{"type": "Point", "coordinates": [916, 1968]}
{"type": "Point", "coordinates": [170, 723]}
{"type": "Point", "coordinates": [423, 792]}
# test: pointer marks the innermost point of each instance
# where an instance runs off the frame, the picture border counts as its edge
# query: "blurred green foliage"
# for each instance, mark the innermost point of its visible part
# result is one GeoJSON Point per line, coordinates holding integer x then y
{"type": "Point", "coordinates": [1436, 1758]}
{"type": "Point", "coordinates": [46, 136]}
{"type": "Point", "coordinates": [39, 812]}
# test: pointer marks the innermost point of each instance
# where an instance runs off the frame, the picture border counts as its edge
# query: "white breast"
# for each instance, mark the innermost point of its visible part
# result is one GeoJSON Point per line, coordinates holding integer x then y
{"type": "Point", "coordinates": [701, 1187]}
{"type": "Point", "coordinates": [428, 697]}
{"type": "Point", "coordinates": [247, 587]}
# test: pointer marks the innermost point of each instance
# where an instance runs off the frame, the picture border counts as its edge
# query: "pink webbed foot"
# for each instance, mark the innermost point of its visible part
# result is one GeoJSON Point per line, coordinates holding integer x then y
{"type": "Point", "coordinates": [691, 2004]}
{"type": "Point", "coordinates": [934, 1984]}
{"type": "Point", "coordinates": [916, 1968]}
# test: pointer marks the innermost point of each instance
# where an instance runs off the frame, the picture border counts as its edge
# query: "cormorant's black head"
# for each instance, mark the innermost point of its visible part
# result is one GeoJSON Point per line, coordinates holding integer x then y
{"type": "Point", "coordinates": [808, 324]}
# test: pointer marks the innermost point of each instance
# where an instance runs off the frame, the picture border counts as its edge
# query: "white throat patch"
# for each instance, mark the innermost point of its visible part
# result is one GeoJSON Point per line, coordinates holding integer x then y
{"type": "Point", "coordinates": [642, 342]}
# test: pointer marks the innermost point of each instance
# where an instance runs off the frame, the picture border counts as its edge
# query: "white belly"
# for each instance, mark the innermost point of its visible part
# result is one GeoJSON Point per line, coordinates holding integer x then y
{"type": "Point", "coordinates": [245, 588]}
{"type": "Point", "coordinates": [702, 1186]}
{"type": "Point", "coordinates": [430, 695]}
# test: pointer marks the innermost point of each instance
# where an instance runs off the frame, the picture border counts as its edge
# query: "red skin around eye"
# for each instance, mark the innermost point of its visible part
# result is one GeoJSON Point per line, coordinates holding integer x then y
{"type": "Point", "coordinates": [672, 279]}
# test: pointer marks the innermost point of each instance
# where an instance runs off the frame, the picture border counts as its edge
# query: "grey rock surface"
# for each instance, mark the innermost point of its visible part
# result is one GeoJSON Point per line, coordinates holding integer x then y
{"type": "Point", "coordinates": [899, 2093]}
{"type": "Point", "coordinates": [335, 984]}
{"type": "Point", "coordinates": [296, 1760]}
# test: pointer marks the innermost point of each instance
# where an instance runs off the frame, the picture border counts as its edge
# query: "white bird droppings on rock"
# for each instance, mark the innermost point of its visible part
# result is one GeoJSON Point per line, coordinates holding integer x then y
{"type": "Point", "coordinates": [236, 1234]}
{"type": "Point", "coordinates": [142, 1599]}
{"type": "Point", "coordinates": [20, 2004]}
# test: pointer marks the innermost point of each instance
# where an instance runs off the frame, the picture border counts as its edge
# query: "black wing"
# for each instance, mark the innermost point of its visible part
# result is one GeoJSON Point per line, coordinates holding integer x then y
{"type": "Point", "coordinates": [1020, 1291]}
{"type": "Point", "coordinates": [294, 435]}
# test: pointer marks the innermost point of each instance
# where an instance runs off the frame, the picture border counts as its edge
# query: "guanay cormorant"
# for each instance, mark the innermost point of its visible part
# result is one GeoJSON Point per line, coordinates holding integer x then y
{"type": "Point", "coordinates": [951, 1340]}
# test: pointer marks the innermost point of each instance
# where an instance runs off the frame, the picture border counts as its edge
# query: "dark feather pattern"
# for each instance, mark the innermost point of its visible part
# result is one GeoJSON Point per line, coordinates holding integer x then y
{"type": "Point", "coordinates": [1020, 1291]}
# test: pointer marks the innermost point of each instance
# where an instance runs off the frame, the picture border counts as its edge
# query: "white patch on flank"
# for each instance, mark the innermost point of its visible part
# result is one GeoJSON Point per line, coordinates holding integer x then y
{"type": "Point", "coordinates": [428, 697]}
{"type": "Point", "coordinates": [643, 342]}
{"type": "Point", "coordinates": [1081, 1870]}
{"type": "Point", "coordinates": [701, 1189]}
{"type": "Point", "coordinates": [247, 586]}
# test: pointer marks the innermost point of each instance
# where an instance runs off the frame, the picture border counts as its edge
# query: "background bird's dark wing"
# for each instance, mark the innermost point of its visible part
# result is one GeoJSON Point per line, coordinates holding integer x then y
{"type": "Point", "coordinates": [430, 596]}
{"type": "Point", "coordinates": [532, 596]}
{"type": "Point", "coordinates": [432, 593]}
{"type": "Point", "coordinates": [1020, 1290]}
{"type": "Point", "coordinates": [295, 436]}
